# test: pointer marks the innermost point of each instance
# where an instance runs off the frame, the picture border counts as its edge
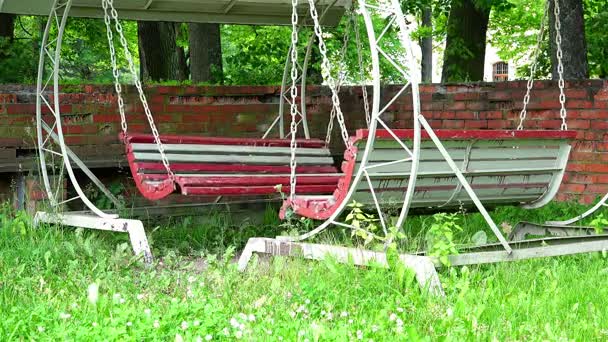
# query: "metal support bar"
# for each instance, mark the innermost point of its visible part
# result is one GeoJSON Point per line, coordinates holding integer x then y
{"type": "Point", "coordinates": [135, 228]}
{"type": "Point", "coordinates": [426, 275]}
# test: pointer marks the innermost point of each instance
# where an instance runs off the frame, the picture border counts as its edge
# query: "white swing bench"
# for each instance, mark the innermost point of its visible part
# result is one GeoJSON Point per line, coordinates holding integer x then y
{"type": "Point", "coordinates": [503, 167]}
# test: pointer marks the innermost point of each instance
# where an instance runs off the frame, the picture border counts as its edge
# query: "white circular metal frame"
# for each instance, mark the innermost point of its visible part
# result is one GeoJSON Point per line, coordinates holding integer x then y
{"type": "Point", "coordinates": [50, 138]}
{"type": "Point", "coordinates": [393, 15]}
{"type": "Point", "coordinates": [412, 154]}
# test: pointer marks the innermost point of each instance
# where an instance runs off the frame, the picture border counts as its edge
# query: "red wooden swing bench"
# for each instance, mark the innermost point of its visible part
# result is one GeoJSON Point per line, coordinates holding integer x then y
{"type": "Point", "coordinates": [503, 167]}
{"type": "Point", "coordinates": [211, 166]}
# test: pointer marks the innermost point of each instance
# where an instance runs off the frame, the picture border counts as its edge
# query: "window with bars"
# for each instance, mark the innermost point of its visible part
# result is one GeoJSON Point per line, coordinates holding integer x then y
{"type": "Point", "coordinates": [500, 72]}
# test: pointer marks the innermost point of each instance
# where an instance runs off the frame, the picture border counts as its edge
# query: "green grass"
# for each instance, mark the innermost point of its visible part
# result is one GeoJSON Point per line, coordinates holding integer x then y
{"type": "Point", "coordinates": [45, 274]}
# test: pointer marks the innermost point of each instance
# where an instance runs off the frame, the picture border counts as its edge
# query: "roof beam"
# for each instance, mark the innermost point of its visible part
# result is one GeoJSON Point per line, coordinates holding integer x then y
{"type": "Point", "coordinates": [229, 6]}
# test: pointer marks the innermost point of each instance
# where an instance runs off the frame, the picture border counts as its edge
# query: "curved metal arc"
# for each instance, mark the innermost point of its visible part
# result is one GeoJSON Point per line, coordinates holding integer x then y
{"type": "Point", "coordinates": [372, 130]}
{"type": "Point", "coordinates": [39, 93]}
{"type": "Point", "coordinates": [57, 114]}
{"type": "Point", "coordinates": [413, 76]}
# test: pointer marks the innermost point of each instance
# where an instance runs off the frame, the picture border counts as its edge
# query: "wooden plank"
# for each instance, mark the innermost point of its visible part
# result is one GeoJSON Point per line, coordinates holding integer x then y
{"type": "Point", "coordinates": [196, 169]}
{"type": "Point", "coordinates": [508, 181]}
{"type": "Point", "coordinates": [386, 155]}
{"type": "Point", "coordinates": [517, 166]}
{"type": "Point", "coordinates": [230, 149]}
{"type": "Point", "coordinates": [523, 143]}
{"type": "Point", "coordinates": [248, 180]}
{"type": "Point", "coordinates": [232, 159]}
{"type": "Point", "coordinates": [454, 134]}
{"type": "Point", "coordinates": [255, 190]}
{"type": "Point", "coordinates": [175, 139]}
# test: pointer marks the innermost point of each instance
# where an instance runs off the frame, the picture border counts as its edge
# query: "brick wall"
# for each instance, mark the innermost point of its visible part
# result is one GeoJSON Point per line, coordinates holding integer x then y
{"type": "Point", "coordinates": [91, 122]}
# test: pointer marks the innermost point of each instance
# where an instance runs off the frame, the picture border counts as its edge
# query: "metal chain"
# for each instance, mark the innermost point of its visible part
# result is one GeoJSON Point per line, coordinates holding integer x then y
{"type": "Point", "coordinates": [533, 66]}
{"type": "Point", "coordinates": [361, 73]}
{"type": "Point", "coordinates": [142, 96]}
{"type": "Point", "coordinates": [341, 77]}
{"type": "Point", "coordinates": [294, 94]}
{"type": "Point", "coordinates": [325, 71]}
{"type": "Point", "coordinates": [560, 66]}
{"type": "Point", "coordinates": [115, 71]}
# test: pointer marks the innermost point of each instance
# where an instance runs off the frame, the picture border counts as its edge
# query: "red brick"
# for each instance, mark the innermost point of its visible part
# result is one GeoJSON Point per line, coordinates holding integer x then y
{"type": "Point", "coordinates": [579, 104]}
{"type": "Point", "coordinates": [453, 124]}
{"type": "Point", "coordinates": [573, 187]}
{"type": "Point", "coordinates": [466, 116]}
{"type": "Point", "coordinates": [21, 108]}
{"type": "Point", "coordinates": [476, 124]}
{"type": "Point", "coordinates": [597, 188]}
{"type": "Point", "coordinates": [578, 124]}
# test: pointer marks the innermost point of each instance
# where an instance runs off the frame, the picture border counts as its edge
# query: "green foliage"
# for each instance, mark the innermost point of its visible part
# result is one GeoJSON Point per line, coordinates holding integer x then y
{"type": "Point", "coordinates": [61, 284]}
{"type": "Point", "coordinates": [440, 237]}
{"type": "Point", "coordinates": [596, 26]}
{"type": "Point", "coordinates": [599, 223]}
{"type": "Point", "coordinates": [254, 54]}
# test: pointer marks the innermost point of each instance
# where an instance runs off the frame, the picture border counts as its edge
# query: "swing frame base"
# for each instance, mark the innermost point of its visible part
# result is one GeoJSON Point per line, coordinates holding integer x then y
{"type": "Point", "coordinates": [135, 228]}
{"type": "Point", "coordinates": [425, 267]}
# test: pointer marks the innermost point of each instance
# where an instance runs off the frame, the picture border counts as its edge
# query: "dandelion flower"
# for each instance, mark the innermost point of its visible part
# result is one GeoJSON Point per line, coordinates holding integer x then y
{"type": "Point", "coordinates": [156, 324]}
{"type": "Point", "coordinates": [251, 318]}
{"type": "Point", "coordinates": [94, 324]}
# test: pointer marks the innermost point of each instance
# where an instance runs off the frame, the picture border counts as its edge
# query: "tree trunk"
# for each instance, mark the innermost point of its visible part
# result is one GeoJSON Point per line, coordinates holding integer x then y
{"type": "Point", "coordinates": [7, 26]}
{"type": "Point", "coordinates": [574, 45]}
{"type": "Point", "coordinates": [205, 48]}
{"type": "Point", "coordinates": [426, 44]}
{"type": "Point", "coordinates": [161, 59]}
{"type": "Point", "coordinates": [465, 50]}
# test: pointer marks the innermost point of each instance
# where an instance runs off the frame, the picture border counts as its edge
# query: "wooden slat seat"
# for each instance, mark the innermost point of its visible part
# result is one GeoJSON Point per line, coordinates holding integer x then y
{"type": "Point", "coordinates": [206, 166]}
{"type": "Point", "coordinates": [503, 167]}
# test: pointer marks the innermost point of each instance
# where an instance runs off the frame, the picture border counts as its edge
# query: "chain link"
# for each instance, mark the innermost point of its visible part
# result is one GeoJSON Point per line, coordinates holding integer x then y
{"type": "Point", "coordinates": [341, 77]}
{"type": "Point", "coordinates": [560, 66]}
{"type": "Point", "coordinates": [294, 95]}
{"type": "Point", "coordinates": [361, 72]}
{"type": "Point", "coordinates": [533, 66]}
{"type": "Point", "coordinates": [115, 71]}
{"type": "Point", "coordinates": [142, 97]}
{"type": "Point", "coordinates": [327, 77]}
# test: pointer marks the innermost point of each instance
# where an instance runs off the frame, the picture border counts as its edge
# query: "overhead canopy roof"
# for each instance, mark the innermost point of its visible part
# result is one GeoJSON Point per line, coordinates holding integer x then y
{"type": "Point", "coordinates": [263, 12]}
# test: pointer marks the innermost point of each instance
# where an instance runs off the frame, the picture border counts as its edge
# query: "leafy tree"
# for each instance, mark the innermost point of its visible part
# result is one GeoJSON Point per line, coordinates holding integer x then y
{"type": "Point", "coordinates": [205, 50]}
{"type": "Point", "coordinates": [466, 39]}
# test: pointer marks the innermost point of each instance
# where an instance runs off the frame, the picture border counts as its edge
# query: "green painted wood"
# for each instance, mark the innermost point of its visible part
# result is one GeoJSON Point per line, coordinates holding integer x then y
{"type": "Point", "coordinates": [476, 153]}
{"type": "Point", "coordinates": [393, 144]}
